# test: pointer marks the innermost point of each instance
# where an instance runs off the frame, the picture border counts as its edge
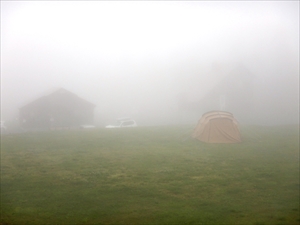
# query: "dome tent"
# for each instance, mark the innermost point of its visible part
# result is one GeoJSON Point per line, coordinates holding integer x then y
{"type": "Point", "coordinates": [217, 127]}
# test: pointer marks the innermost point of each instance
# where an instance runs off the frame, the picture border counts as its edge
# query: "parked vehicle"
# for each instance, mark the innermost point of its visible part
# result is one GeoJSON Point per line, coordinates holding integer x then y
{"type": "Point", "coordinates": [87, 126]}
{"type": "Point", "coordinates": [3, 127]}
{"type": "Point", "coordinates": [123, 122]}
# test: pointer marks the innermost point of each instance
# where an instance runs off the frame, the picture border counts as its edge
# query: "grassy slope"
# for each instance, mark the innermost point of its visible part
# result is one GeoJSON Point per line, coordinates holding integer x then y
{"type": "Point", "coordinates": [150, 176]}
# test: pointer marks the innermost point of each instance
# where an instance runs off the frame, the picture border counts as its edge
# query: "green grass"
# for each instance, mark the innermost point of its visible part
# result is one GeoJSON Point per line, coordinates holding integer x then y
{"type": "Point", "coordinates": [150, 175]}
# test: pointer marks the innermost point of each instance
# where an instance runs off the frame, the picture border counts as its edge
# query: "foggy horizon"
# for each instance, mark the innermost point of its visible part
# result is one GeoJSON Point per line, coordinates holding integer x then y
{"type": "Point", "coordinates": [137, 58]}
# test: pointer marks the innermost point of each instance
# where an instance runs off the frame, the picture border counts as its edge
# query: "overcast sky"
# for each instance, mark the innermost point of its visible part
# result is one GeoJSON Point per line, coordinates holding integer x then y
{"type": "Point", "coordinates": [123, 56]}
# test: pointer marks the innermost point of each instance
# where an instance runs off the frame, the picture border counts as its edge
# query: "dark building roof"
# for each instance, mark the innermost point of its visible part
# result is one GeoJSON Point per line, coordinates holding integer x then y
{"type": "Point", "coordinates": [61, 108]}
{"type": "Point", "coordinates": [58, 98]}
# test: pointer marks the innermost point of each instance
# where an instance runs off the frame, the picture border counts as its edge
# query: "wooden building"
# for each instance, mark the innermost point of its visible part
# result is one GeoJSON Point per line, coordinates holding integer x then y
{"type": "Point", "coordinates": [60, 109]}
{"type": "Point", "coordinates": [233, 92]}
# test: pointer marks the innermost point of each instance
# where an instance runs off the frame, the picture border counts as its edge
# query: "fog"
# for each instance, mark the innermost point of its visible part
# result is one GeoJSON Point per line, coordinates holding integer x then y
{"type": "Point", "coordinates": [157, 62]}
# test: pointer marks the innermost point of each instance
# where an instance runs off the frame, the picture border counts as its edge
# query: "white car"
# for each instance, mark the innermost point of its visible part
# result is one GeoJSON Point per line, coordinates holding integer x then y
{"type": "Point", "coordinates": [123, 122]}
{"type": "Point", "coordinates": [3, 127]}
{"type": "Point", "coordinates": [87, 127]}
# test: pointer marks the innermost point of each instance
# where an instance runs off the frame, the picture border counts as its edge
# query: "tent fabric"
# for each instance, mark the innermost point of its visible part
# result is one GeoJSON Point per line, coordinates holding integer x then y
{"type": "Point", "coordinates": [217, 127]}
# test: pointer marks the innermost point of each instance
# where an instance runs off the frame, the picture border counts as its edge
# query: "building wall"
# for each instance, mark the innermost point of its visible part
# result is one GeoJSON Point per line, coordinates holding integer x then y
{"type": "Point", "coordinates": [60, 109]}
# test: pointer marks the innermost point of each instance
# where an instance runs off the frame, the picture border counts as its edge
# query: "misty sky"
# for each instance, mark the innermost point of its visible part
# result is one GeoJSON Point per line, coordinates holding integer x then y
{"type": "Point", "coordinates": [128, 57]}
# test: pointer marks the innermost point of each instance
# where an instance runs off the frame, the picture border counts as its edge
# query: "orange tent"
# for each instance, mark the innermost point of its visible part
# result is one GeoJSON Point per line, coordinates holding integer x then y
{"type": "Point", "coordinates": [217, 127]}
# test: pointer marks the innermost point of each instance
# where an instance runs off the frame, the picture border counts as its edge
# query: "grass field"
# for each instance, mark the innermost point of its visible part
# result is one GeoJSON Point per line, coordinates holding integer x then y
{"type": "Point", "coordinates": [150, 175]}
